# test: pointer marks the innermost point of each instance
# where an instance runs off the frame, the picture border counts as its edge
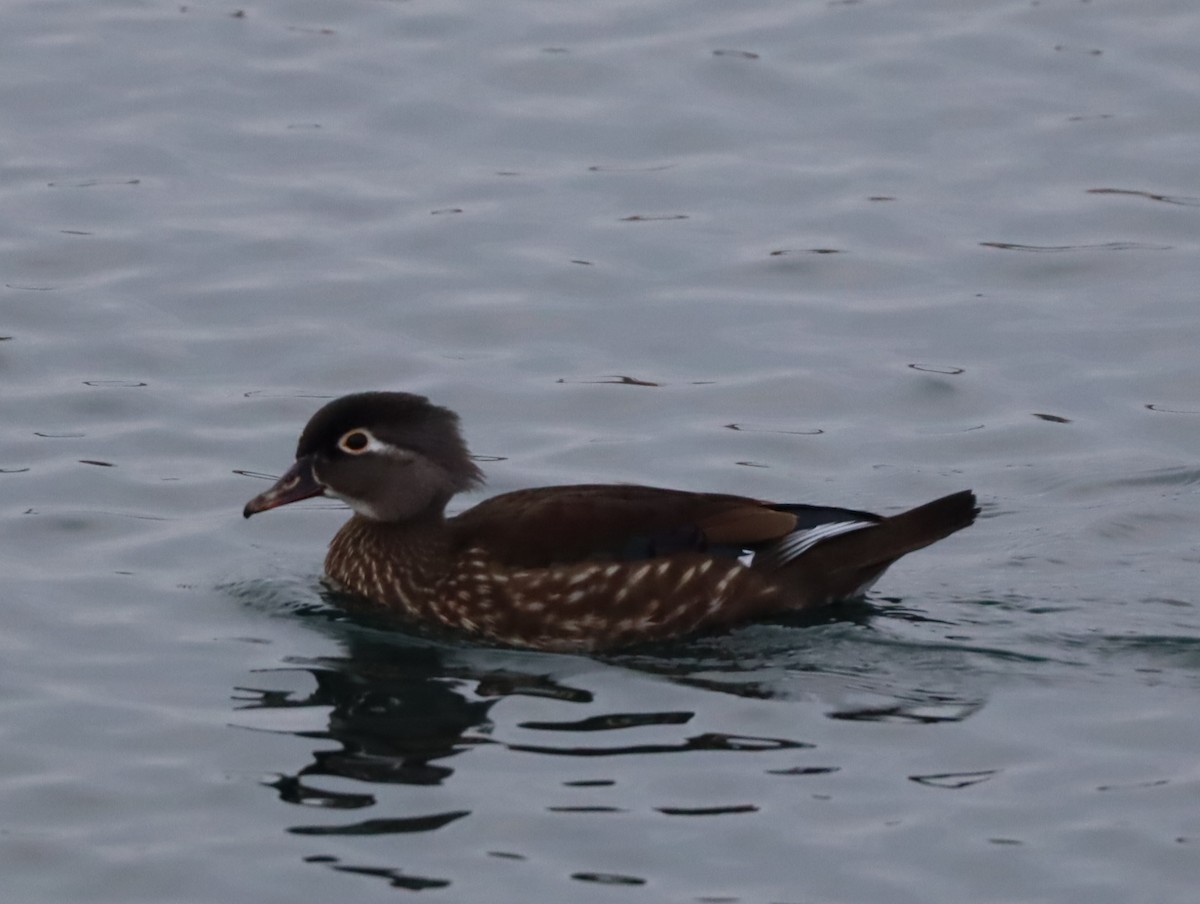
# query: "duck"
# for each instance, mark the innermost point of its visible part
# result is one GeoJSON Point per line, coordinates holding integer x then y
{"type": "Point", "coordinates": [578, 568]}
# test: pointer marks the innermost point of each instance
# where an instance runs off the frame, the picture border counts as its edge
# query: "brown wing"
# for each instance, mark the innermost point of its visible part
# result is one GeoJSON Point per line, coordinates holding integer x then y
{"type": "Point", "coordinates": [559, 525]}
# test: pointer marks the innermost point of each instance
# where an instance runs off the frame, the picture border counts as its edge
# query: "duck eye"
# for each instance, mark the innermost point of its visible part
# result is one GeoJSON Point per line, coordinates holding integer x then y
{"type": "Point", "coordinates": [354, 442]}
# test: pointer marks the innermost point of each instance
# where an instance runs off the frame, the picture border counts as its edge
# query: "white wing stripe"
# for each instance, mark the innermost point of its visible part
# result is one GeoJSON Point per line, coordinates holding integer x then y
{"type": "Point", "coordinates": [798, 543]}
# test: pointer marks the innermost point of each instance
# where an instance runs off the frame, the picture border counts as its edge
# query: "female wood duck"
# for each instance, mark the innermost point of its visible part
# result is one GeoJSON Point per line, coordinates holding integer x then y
{"type": "Point", "coordinates": [572, 568]}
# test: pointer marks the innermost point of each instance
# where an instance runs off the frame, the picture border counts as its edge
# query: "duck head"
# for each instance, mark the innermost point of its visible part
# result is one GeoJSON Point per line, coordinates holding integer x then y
{"type": "Point", "coordinates": [390, 456]}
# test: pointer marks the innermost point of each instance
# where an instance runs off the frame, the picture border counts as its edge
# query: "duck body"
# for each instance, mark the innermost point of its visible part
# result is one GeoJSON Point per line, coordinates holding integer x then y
{"type": "Point", "coordinates": [572, 568]}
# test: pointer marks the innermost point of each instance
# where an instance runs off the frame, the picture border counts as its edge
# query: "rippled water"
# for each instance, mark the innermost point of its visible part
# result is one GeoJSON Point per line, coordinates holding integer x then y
{"type": "Point", "coordinates": [854, 253]}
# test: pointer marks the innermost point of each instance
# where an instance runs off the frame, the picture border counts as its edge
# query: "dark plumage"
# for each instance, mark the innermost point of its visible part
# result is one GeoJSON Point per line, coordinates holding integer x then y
{"type": "Point", "coordinates": [583, 567]}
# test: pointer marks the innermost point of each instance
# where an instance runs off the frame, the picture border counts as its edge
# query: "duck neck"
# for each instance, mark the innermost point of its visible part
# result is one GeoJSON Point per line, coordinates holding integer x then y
{"type": "Point", "coordinates": [390, 561]}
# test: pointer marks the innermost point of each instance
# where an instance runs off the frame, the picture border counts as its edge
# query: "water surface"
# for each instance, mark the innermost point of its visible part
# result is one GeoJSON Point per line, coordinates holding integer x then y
{"type": "Point", "coordinates": [854, 253]}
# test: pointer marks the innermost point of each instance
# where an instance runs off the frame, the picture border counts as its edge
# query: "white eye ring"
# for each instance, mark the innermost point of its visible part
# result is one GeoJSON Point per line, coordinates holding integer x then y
{"type": "Point", "coordinates": [357, 441]}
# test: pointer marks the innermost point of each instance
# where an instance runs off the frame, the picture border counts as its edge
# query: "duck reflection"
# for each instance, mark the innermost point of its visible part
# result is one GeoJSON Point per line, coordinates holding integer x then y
{"type": "Point", "coordinates": [402, 706]}
{"type": "Point", "coordinates": [398, 708]}
{"type": "Point", "coordinates": [398, 712]}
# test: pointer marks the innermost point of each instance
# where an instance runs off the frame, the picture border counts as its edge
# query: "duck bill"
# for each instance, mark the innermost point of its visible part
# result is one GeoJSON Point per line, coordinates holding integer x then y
{"type": "Point", "coordinates": [298, 483]}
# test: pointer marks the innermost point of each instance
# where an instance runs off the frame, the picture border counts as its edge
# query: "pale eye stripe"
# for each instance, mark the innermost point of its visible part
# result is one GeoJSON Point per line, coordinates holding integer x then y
{"type": "Point", "coordinates": [797, 544]}
{"type": "Point", "coordinates": [375, 445]}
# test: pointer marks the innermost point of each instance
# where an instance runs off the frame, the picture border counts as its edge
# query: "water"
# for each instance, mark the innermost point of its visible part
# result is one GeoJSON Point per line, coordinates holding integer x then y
{"type": "Point", "coordinates": [855, 253]}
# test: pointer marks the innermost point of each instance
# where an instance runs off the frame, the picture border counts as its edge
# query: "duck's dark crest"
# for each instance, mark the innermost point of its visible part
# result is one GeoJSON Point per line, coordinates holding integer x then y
{"type": "Point", "coordinates": [401, 418]}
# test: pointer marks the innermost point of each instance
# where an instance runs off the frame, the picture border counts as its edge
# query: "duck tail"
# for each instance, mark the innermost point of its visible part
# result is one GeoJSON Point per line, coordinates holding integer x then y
{"type": "Point", "coordinates": [844, 565]}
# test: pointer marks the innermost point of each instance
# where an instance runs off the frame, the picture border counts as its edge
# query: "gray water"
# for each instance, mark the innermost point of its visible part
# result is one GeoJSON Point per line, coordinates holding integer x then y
{"type": "Point", "coordinates": [857, 253]}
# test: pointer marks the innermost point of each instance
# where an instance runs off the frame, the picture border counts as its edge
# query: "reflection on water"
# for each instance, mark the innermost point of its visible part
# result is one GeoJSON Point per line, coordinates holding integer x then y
{"type": "Point", "coordinates": [407, 710]}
